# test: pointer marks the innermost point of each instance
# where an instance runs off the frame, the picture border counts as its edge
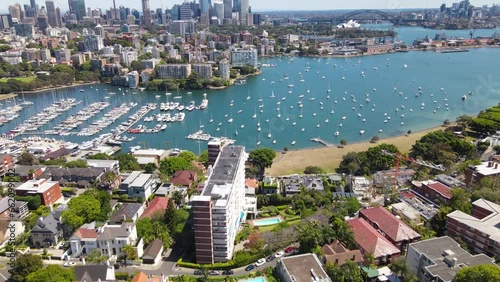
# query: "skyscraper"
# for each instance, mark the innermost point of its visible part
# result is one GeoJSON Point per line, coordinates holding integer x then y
{"type": "Point", "coordinates": [42, 20]}
{"type": "Point", "coordinates": [228, 9]}
{"type": "Point", "coordinates": [146, 12]}
{"type": "Point", "coordinates": [205, 6]}
{"type": "Point", "coordinates": [219, 10]}
{"type": "Point", "coordinates": [78, 8]}
{"type": "Point", "coordinates": [15, 11]}
{"type": "Point", "coordinates": [51, 13]}
{"type": "Point", "coordinates": [185, 11]}
{"type": "Point", "coordinates": [236, 6]}
{"type": "Point", "coordinates": [244, 11]}
{"type": "Point", "coordinates": [58, 17]}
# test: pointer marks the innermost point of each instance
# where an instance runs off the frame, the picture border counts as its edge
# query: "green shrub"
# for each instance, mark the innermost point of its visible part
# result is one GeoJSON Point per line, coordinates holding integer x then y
{"type": "Point", "coordinates": [68, 190]}
{"type": "Point", "coordinates": [121, 275]}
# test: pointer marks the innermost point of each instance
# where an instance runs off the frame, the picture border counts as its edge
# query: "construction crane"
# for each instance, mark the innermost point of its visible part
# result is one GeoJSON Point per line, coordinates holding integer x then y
{"type": "Point", "coordinates": [411, 160]}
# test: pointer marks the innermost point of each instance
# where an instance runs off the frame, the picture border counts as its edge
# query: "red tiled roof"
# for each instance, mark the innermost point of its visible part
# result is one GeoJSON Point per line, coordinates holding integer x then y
{"type": "Point", "coordinates": [408, 195]}
{"type": "Point", "coordinates": [369, 240]}
{"type": "Point", "coordinates": [157, 205]}
{"type": "Point", "coordinates": [252, 183]}
{"type": "Point", "coordinates": [389, 224]}
{"type": "Point", "coordinates": [84, 233]}
{"type": "Point", "coordinates": [183, 177]}
{"type": "Point", "coordinates": [440, 188]}
{"type": "Point", "coordinates": [140, 277]}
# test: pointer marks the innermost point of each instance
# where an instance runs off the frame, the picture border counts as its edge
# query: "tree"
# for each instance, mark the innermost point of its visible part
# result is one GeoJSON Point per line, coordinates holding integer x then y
{"type": "Point", "coordinates": [262, 158]}
{"type": "Point", "coordinates": [76, 163]}
{"type": "Point", "coordinates": [128, 162]}
{"type": "Point", "coordinates": [130, 252]}
{"type": "Point", "coordinates": [464, 121]}
{"type": "Point", "coordinates": [170, 165]}
{"type": "Point", "coordinates": [313, 170]}
{"type": "Point", "coordinates": [348, 272]}
{"type": "Point", "coordinates": [150, 168]}
{"type": "Point", "coordinates": [72, 220]}
{"type": "Point", "coordinates": [460, 200]}
{"type": "Point", "coordinates": [438, 222]}
{"type": "Point", "coordinates": [95, 256]}
{"type": "Point", "coordinates": [24, 265]}
{"type": "Point", "coordinates": [399, 267]}
{"type": "Point", "coordinates": [188, 156]}
{"type": "Point", "coordinates": [52, 272]}
{"type": "Point", "coordinates": [149, 229]}
{"type": "Point", "coordinates": [170, 219]}
{"type": "Point", "coordinates": [99, 156]}
{"type": "Point", "coordinates": [343, 142]}
{"type": "Point", "coordinates": [496, 149]}
{"type": "Point", "coordinates": [446, 122]}
{"type": "Point", "coordinates": [27, 159]}
{"type": "Point", "coordinates": [203, 158]}
{"type": "Point", "coordinates": [375, 139]}
{"type": "Point", "coordinates": [84, 208]}
{"type": "Point", "coordinates": [177, 197]}
{"type": "Point", "coordinates": [482, 272]}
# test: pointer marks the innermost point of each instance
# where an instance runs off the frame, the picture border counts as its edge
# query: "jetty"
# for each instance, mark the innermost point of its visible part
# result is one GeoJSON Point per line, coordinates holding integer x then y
{"type": "Point", "coordinates": [322, 142]}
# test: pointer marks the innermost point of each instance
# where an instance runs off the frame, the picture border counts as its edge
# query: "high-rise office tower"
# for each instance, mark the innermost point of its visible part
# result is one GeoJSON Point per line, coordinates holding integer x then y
{"type": "Point", "coordinates": [237, 6]}
{"type": "Point", "coordinates": [42, 20]}
{"type": "Point", "coordinates": [33, 4]}
{"type": "Point", "coordinates": [146, 12]}
{"type": "Point", "coordinates": [219, 10]}
{"type": "Point", "coordinates": [58, 17]}
{"type": "Point", "coordinates": [185, 11]}
{"type": "Point", "coordinates": [51, 13]}
{"type": "Point", "coordinates": [244, 12]}
{"type": "Point", "coordinates": [204, 6]}
{"type": "Point", "coordinates": [15, 11]}
{"type": "Point", "coordinates": [228, 9]}
{"type": "Point", "coordinates": [78, 8]}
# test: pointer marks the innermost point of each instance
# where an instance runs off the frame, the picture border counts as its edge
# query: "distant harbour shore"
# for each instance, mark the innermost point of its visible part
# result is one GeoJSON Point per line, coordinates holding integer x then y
{"type": "Point", "coordinates": [57, 88]}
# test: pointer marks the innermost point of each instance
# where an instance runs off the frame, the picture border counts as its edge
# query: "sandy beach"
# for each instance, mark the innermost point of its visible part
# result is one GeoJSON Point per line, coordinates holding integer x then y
{"type": "Point", "coordinates": [329, 158]}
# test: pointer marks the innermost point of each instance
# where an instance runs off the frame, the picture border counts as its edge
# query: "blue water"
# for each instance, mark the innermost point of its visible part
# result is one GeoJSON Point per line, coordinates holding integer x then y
{"type": "Point", "coordinates": [264, 222]}
{"type": "Point", "coordinates": [257, 279]}
{"type": "Point", "coordinates": [456, 73]}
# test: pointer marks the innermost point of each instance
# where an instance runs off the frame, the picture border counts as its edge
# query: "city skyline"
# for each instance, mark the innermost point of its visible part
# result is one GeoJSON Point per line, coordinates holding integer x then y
{"type": "Point", "coordinates": [265, 5]}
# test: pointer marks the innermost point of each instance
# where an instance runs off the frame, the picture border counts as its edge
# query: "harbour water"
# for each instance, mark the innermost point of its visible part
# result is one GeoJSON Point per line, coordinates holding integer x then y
{"type": "Point", "coordinates": [384, 95]}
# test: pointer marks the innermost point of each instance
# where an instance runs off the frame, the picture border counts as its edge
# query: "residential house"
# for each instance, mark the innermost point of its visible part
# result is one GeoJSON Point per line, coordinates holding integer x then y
{"type": "Point", "coordinates": [361, 186]}
{"type": "Point", "coordinates": [156, 208]}
{"type": "Point", "coordinates": [84, 240]}
{"type": "Point", "coordinates": [12, 217]}
{"type": "Point", "coordinates": [153, 252]}
{"type": "Point", "coordinates": [29, 172]}
{"type": "Point", "coordinates": [94, 273]}
{"type": "Point", "coordinates": [304, 267]}
{"type": "Point", "coordinates": [143, 277]}
{"type": "Point", "coordinates": [479, 229]}
{"type": "Point", "coordinates": [337, 253]}
{"type": "Point", "coordinates": [251, 184]}
{"type": "Point", "coordinates": [168, 189]}
{"type": "Point", "coordinates": [184, 178]}
{"type": "Point", "coordinates": [127, 212]}
{"type": "Point", "coordinates": [291, 184]}
{"type": "Point", "coordinates": [396, 231]}
{"type": "Point", "coordinates": [145, 156]}
{"type": "Point", "coordinates": [269, 185]}
{"type": "Point", "coordinates": [433, 191]}
{"type": "Point", "coordinates": [5, 163]}
{"type": "Point", "coordinates": [80, 177]}
{"type": "Point", "coordinates": [474, 174]}
{"type": "Point", "coordinates": [139, 184]}
{"type": "Point", "coordinates": [370, 241]}
{"type": "Point", "coordinates": [313, 183]}
{"type": "Point", "coordinates": [112, 238]}
{"type": "Point", "coordinates": [49, 191]}
{"type": "Point", "coordinates": [57, 154]}
{"type": "Point", "coordinates": [439, 259]}
{"type": "Point", "coordinates": [50, 230]}
{"type": "Point", "coordinates": [406, 212]}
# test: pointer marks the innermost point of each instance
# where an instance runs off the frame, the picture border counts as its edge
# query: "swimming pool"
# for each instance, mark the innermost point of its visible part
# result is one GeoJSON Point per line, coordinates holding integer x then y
{"type": "Point", "coordinates": [257, 279]}
{"type": "Point", "coordinates": [268, 221]}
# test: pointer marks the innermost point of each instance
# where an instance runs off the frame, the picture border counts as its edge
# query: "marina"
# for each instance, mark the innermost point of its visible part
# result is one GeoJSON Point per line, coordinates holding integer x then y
{"type": "Point", "coordinates": [396, 93]}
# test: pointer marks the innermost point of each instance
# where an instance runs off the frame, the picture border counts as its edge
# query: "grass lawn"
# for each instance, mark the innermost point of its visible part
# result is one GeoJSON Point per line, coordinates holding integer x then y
{"type": "Point", "coordinates": [22, 79]}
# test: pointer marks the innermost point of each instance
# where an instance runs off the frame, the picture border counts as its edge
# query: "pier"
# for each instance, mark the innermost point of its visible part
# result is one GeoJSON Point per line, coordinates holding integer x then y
{"type": "Point", "coordinates": [322, 142]}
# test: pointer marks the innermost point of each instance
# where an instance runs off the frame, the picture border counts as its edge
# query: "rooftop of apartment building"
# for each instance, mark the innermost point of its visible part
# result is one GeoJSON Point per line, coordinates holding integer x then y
{"type": "Point", "coordinates": [220, 181]}
{"type": "Point", "coordinates": [439, 187]}
{"type": "Point", "coordinates": [487, 168]}
{"type": "Point", "coordinates": [305, 267]}
{"type": "Point", "coordinates": [490, 224]}
{"type": "Point", "coordinates": [447, 257]}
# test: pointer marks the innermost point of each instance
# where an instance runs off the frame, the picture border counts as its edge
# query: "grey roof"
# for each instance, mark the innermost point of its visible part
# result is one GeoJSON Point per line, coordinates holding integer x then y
{"type": "Point", "coordinates": [111, 232]}
{"type": "Point", "coordinates": [225, 168]}
{"type": "Point", "coordinates": [71, 173]}
{"type": "Point", "coordinates": [129, 210]}
{"type": "Point", "coordinates": [449, 181]}
{"type": "Point", "coordinates": [335, 177]}
{"type": "Point", "coordinates": [50, 223]}
{"type": "Point", "coordinates": [315, 183]}
{"type": "Point", "coordinates": [153, 249]}
{"type": "Point", "coordinates": [23, 170]}
{"type": "Point", "coordinates": [91, 273]}
{"type": "Point", "coordinates": [438, 250]}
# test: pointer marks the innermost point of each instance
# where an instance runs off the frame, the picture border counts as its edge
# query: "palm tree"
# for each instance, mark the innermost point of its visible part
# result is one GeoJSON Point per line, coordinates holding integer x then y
{"type": "Point", "coordinates": [399, 267]}
{"type": "Point", "coordinates": [108, 178]}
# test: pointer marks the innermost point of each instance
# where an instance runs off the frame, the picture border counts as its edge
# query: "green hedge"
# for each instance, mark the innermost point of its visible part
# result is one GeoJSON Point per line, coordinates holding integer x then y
{"type": "Point", "coordinates": [121, 275]}
{"type": "Point", "coordinates": [240, 259]}
{"type": "Point", "coordinates": [68, 190]}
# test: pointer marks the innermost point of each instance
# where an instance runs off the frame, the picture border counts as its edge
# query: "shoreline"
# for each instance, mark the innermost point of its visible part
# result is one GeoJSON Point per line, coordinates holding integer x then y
{"type": "Point", "coordinates": [329, 158]}
{"type": "Point", "coordinates": [7, 96]}
{"type": "Point", "coordinates": [56, 88]}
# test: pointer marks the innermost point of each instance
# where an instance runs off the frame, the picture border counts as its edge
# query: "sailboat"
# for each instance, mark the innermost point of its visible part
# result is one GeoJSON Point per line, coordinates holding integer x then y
{"type": "Point", "coordinates": [329, 90]}
{"type": "Point", "coordinates": [272, 94]}
{"type": "Point", "coordinates": [269, 135]}
{"type": "Point", "coordinates": [258, 141]}
{"type": "Point", "coordinates": [211, 119]}
{"type": "Point", "coordinates": [255, 114]}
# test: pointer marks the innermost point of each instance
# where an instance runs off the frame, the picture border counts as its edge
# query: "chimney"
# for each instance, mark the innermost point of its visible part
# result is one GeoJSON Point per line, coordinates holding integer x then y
{"type": "Point", "coordinates": [124, 217]}
{"type": "Point", "coordinates": [496, 166]}
{"type": "Point", "coordinates": [490, 164]}
{"type": "Point", "coordinates": [353, 257]}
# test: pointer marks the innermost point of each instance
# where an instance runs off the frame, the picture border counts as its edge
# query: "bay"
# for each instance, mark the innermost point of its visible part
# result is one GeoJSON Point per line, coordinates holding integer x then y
{"type": "Point", "coordinates": [374, 88]}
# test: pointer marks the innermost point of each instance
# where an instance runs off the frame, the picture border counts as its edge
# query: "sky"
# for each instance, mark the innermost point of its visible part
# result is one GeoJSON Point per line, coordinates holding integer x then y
{"type": "Point", "coordinates": [273, 5]}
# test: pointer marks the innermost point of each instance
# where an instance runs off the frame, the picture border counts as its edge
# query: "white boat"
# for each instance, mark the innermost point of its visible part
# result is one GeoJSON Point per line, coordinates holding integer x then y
{"type": "Point", "coordinates": [230, 120]}
{"type": "Point", "coordinates": [242, 126]}
{"type": "Point", "coordinates": [293, 142]}
{"type": "Point", "coordinates": [464, 98]}
{"type": "Point", "coordinates": [81, 90]}
{"type": "Point", "coordinates": [274, 141]}
{"type": "Point", "coordinates": [361, 132]}
{"type": "Point", "coordinates": [258, 143]}
{"type": "Point", "coordinates": [157, 96]}
{"type": "Point", "coordinates": [303, 129]}
{"type": "Point", "coordinates": [178, 97]}
{"type": "Point", "coordinates": [337, 133]}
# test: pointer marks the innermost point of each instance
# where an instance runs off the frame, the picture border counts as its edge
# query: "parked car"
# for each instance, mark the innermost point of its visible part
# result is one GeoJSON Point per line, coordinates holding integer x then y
{"type": "Point", "coordinates": [279, 254]}
{"type": "Point", "coordinates": [260, 262]}
{"type": "Point", "coordinates": [213, 272]}
{"type": "Point", "coordinates": [228, 272]}
{"type": "Point", "coordinates": [250, 267]}
{"type": "Point", "coordinates": [117, 266]}
{"type": "Point", "coordinates": [270, 258]}
{"type": "Point", "coordinates": [198, 272]}
{"type": "Point", "coordinates": [66, 195]}
{"type": "Point", "coordinates": [69, 263]}
{"type": "Point", "coordinates": [290, 249]}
